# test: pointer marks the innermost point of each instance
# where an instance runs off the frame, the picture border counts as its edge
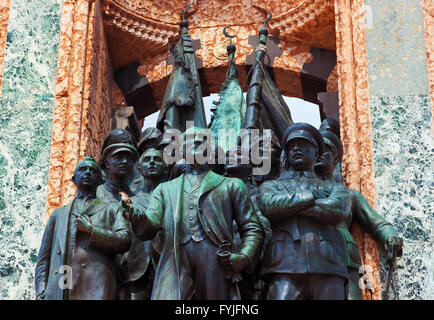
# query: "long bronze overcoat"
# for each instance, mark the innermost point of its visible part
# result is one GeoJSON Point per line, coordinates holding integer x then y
{"type": "Point", "coordinates": [221, 200]}
{"type": "Point", "coordinates": [93, 264]}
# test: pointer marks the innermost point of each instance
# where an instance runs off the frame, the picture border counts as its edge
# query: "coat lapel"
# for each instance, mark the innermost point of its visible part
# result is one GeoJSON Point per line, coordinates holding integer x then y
{"type": "Point", "coordinates": [209, 182]}
{"type": "Point", "coordinates": [94, 207]}
{"type": "Point", "coordinates": [63, 226]}
{"type": "Point", "coordinates": [177, 201]}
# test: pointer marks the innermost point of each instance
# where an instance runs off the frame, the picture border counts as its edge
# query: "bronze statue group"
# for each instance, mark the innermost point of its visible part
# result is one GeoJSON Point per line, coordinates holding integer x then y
{"type": "Point", "coordinates": [140, 228]}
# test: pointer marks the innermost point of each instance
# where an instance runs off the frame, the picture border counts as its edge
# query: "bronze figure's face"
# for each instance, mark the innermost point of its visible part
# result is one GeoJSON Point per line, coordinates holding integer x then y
{"type": "Point", "coordinates": [87, 175]}
{"type": "Point", "coordinates": [327, 161]}
{"type": "Point", "coordinates": [301, 154]}
{"type": "Point", "coordinates": [151, 164]}
{"type": "Point", "coordinates": [120, 163]}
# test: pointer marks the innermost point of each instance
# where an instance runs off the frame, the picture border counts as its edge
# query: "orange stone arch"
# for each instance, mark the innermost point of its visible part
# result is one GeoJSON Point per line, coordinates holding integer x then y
{"type": "Point", "coordinates": [99, 36]}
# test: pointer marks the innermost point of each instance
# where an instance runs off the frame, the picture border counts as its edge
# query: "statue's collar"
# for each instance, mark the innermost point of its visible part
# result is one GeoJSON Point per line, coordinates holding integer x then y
{"type": "Point", "coordinates": [310, 174]}
{"type": "Point", "coordinates": [199, 170]}
{"type": "Point", "coordinates": [85, 197]}
{"type": "Point", "coordinates": [116, 189]}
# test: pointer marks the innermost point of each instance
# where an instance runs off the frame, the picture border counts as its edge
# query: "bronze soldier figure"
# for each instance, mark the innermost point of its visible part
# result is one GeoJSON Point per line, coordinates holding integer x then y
{"type": "Point", "coordinates": [195, 213]}
{"type": "Point", "coordinates": [82, 240]}
{"type": "Point", "coordinates": [332, 125]}
{"type": "Point", "coordinates": [362, 213]}
{"type": "Point", "coordinates": [134, 178]}
{"type": "Point", "coordinates": [306, 257]}
{"type": "Point", "coordinates": [119, 159]}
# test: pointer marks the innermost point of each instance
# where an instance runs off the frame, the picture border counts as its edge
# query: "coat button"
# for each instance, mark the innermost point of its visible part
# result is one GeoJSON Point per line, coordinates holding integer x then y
{"type": "Point", "coordinates": [56, 272]}
{"type": "Point", "coordinates": [58, 252]}
{"type": "Point", "coordinates": [83, 266]}
{"type": "Point", "coordinates": [191, 207]}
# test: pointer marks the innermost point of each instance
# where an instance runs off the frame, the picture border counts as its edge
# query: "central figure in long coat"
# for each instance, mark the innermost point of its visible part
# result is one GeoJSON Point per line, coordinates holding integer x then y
{"type": "Point", "coordinates": [195, 213]}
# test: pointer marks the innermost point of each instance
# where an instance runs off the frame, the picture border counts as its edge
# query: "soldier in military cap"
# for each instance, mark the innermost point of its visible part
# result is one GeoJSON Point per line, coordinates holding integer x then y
{"type": "Point", "coordinates": [134, 178]}
{"type": "Point", "coordinates": [306, 257]}
{"type": "Point", "coordinates": [332, 125]}
{"type": "Point", "coordinates": [362, 213]}
{"type": "Point", "coordinates": [331, 157]}
{"type": "Point", "coordinates": [119, 159]}
{"type": "Point", "coordinates": [275, 156]}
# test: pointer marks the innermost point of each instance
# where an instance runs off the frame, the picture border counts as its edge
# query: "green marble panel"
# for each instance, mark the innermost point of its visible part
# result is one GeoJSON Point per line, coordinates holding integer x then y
{"type": "Point", "coordinates": [402, 140]}
{"type": "Point", "coordinates": [25, 134]}
{"type": "Point", "coordinates": [404, 187]}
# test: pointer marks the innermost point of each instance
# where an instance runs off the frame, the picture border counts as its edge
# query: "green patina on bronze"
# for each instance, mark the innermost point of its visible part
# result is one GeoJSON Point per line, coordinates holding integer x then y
{"type": "Point", "coordinates": [231, 107]}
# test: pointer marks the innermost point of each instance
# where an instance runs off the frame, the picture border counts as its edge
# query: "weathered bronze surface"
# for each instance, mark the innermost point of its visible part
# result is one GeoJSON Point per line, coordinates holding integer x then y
{"type": "Point", "coordinates": [231, 106]}
{"type": "Point", "coordinates": [251, 285]}
{"type": "Point", "coordinates": [193, 230]}
{"type": "Point", "coordinates": [306, 257]}
{"type": "Point", "coordinates": [134, 178]}
{"type": "Point", "coordinates": [362, 213]}
{"type": "Point", "coordinates": [133, 267]}
{"type": "Point", "coordinates": [80, 244]}
{"type": "Point", "coordinates": [195, 213]}
{"type": "Point", "coordinates": [183, 97]}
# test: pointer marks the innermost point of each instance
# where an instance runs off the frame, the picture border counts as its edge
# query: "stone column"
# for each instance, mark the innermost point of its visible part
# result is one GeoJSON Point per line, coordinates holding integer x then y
{"type": "Point", "coordinates": [354, 114]}
{"type": "Point", "coordinates": [82, 109]}
{"type": "Point", "coordinates": [4, 19]}
{"type": "Point", "coordinates": [428, 16]}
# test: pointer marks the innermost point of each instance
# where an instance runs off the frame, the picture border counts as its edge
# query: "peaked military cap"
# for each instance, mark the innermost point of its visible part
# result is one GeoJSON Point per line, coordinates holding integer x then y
{"type": "Point", "coordinates": [118, 135]}
{"type": "Point", "coordinates": [333, 141]}
{"type": "Point", "coordinates": [150, 137]}
{"type": "Point", "coordinates": [304, 131]}
{"type": "Point", "coordinates": [332, 125]}
{"type": "Point", "coordinates": [116, 148]}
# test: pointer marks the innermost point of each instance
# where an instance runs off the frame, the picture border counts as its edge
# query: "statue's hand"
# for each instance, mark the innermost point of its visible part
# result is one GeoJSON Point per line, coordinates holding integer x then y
{"type": "Point", "coordinates": [127, 211]}
{"type": "Point", "coordinates": [394, 244]}
{"type": "Point", "coordinates": [126, 205]}
{"type": "Point", "coordinates": [84, 224]}
{"type": "Point", "coordinates": [40, 296]}
{"type": "Point", "coordinates": [236, 262]}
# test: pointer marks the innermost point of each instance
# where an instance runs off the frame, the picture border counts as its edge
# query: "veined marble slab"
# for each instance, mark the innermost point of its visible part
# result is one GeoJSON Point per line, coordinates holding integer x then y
{"type": "Point", "coordinates": [25, 134]}
{"type": "Point", "coordinates": [404, 187]}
